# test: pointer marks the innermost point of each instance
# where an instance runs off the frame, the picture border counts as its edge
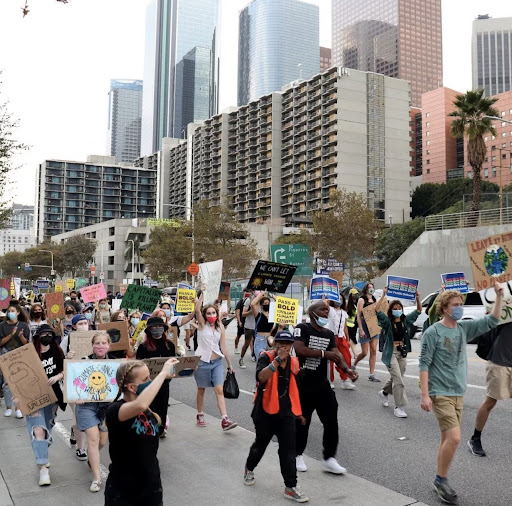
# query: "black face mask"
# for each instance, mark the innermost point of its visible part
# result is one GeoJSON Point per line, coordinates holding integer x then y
{"type": "Point", "coordinates": [265, 307]}
{"type": "Point", "coordinates": [46, 340]}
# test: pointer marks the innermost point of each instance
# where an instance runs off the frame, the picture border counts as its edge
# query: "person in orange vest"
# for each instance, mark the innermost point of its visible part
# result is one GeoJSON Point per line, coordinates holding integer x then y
{"type": "Point", "coordinates": [276, 410]}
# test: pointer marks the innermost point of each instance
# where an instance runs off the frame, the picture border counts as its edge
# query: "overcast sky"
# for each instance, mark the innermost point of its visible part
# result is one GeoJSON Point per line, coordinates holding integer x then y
{"type": "Point", "coordinates": [58, 61]}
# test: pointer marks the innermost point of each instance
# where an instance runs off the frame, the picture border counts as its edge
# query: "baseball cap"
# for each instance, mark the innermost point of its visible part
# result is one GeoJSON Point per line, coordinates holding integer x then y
{"type": "Point", "coordinates": [78, 318]}
{"type": "Point", "coordinates": [284, 335]}
{"type": "Point", "coordinates": [353, 291]}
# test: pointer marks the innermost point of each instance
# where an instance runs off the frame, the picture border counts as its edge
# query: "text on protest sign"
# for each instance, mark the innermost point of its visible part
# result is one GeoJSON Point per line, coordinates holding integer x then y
{"type": "Point", "coordinates": [141, 297]}
{"type": "Point", "coordinates": [402, 288]}
{"type": "Point", "coordinates": [271, 276]}
{"type": "Point", "coordinates": [286, 311]}
{"type": "Point", "coordinates": [323, 285]}
{"type": "Point", "coordinates": [185, 301]}
{"type": "Point", "coordinates": [184, 368]}
{"type": "Point", "coordinates": [93, 293]}
{"type": "Point", "coordinates": [370, 317]}
{"type": "Point", "coordinates": [488, 297]}
{"type": "Point", "coordinates": [455, 281]}
{"type": "Point", "coordinates": [81, 343]}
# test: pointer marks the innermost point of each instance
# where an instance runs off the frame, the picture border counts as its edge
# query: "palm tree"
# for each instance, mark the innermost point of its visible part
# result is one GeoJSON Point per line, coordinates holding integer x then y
{"type": "Point", "coordinates": [471, 121]}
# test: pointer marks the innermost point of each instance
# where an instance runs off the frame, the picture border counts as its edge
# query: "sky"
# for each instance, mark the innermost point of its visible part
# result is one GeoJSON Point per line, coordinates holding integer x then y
{"type": "Point", "coordinates": [57, 64]}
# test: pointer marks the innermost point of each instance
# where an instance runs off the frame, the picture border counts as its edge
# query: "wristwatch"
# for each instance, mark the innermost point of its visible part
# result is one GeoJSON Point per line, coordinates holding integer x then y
{"type": "Point", "coordinates": [278, 359]}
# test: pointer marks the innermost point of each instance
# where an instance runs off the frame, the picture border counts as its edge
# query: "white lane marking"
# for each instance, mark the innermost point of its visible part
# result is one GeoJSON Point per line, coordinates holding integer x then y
{"type": "Point", "coordinates": [64, 435]}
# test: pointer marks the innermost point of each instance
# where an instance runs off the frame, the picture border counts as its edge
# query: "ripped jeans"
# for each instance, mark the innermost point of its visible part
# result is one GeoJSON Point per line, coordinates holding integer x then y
{"type": "Point", "coordinates": [44, 418]}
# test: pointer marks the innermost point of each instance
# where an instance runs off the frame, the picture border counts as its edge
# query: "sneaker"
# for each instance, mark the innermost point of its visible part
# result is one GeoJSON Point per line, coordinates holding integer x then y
{"type": "Point", "coordinates": [331, 466]}
{"type": "Point", "coordinates": [332, 386]}
{"type": "Point", "coordinates": [163, 434]}
{"type": "Point", "coordinates": [227, 424]}
{"type": "Point", "coordinates": [253, 358]}
{"type": "Point", "coordinates": [188, 347]}
{"type": "Point", "coordinates": [295, 494]}
{"type": "Point", "coordinates": [353, 367]}
{"type": "Point", "coordinates": [475, 446]}
{"type": "Point", "coordinates": [445, 492]}
{"type": "Point", "coordinates": [95, 486]}
{"type": "Point", "coordinates": [241, 364]}
{"type": "Point", "coordinates": [19, 414]}
{"type": "Point", "coordinates": [81, 454]}
{"type": "Point", "coordinates": [44, 477]}
{"type": "Point", "coordinates": [347, 385]}
{"type": "Point", "coordinates": [200, 420]}
{"type": "Point", "coordinates": [300, 464]}
{"type": "Point", "coordinates": [248, 477]}
{"type": "Point", "coordinates": [384, 398]}
{"type": "Point", "coordinates": [237, 352]}
{"type": "Point", "coordinates": [372, 377]}
{"type": "Point", "coordinates": [8, 412]}
{"type": "Point", "coordinates": [400, 413]}
{"type": "Point", "coordinates": [72, 439]}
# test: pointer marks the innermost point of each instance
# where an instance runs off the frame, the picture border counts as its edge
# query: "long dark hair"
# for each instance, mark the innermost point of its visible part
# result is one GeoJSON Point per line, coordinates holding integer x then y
{"type": "Point", "coordinates": [33, 306]}
{"type": "Point", "coordinates": [392, 304]}
{"type": "Point", "coordinates": [365, 291]}
{"type": "Point", "coordinates": [22, 314]}
{"type": "Point", "coordinates": [54, 347]}
{"type": "Point", "coordinates": [151, 341]}
{"type": "Point", "coordinates": [351, 305]}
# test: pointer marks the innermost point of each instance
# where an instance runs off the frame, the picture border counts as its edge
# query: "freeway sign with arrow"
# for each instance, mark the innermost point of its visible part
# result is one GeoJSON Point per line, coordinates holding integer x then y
{"type": "Point", "coordinates": [293, 254]}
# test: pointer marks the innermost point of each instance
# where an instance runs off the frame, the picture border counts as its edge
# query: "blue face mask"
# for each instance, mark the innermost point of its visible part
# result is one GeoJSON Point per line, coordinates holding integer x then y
{"type": "Point", "coordinates": [134, 321]}
{"type": "Point", "coordinates": [88, 316]}
{"type": "Point", "coordinates": [457, 313]}
{"type": "Point", "coordinates": [321, 321]}
{"type": "Point", "coordinates": [142, 387]}
{"type": "Point", "coordinates": [11, 315]}
{"type": "Point", "coordinates": [397, 313]}
{"type": "Point", "coordinates": [167, 312]}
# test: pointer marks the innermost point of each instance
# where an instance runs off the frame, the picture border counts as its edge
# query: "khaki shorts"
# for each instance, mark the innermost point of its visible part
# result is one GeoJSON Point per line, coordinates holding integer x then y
{"type": "Point", "coordinates": [448, 410]}
{"type": "Point", "coordinates": [499, 381]}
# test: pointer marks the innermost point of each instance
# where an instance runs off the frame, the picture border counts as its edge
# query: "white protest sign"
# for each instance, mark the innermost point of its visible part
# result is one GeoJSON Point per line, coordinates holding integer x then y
{"type": "Point", "coordinates": [211, 276]}
{"type": "Point", "coordinates": [488, 297]}
{"type": "Point", "coordinates": [116, 304]}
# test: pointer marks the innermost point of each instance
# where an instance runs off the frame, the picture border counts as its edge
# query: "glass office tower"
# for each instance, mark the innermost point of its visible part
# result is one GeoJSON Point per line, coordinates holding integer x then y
{"type": "Point", "coordinates": [278, 44]}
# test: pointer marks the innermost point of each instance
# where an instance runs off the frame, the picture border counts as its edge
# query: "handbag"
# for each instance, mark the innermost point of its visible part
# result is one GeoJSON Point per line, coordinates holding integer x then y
{"type": "Point", "coordinates": [231, 390]}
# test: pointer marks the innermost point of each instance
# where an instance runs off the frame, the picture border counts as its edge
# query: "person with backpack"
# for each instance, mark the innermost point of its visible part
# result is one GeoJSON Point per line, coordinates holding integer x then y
{"type": "Point", "coordinates": [496, 348]}
{"type": "Point", "coordinates": [276, 411]}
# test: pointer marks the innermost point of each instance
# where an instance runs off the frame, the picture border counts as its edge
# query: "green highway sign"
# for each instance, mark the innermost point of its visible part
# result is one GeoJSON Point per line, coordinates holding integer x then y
{"type": "Point", "coordinates": [293, 254]}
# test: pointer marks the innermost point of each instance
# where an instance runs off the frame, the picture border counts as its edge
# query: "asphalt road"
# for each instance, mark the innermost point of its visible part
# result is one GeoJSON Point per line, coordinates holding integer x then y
{"type": "Point", "coordinates": [370, 435]}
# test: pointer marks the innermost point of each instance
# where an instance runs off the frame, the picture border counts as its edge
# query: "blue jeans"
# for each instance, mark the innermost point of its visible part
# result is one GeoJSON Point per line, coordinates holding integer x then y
{"type": "Point", "coordinates": [260, 345]}
{"type": "Point", "coordinates": [44, 418]}
{"type": "Point", "coordinates": [7, 396]}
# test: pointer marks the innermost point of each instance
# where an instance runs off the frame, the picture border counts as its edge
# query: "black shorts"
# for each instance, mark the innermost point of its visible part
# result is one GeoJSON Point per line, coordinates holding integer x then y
{"type": "Point", "coordinates": [239, 331]}
{"type": "Point", "coordinates": [249, 333]}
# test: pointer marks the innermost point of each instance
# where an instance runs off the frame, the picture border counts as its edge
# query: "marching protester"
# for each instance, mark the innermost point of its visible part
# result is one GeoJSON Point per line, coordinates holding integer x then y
{"type": "Point", "coordinates": [498, 381]}
{"type": "Point", "coordinates": [134, 320]}
{"type": "Point", "coordinates": [443, 375]}
{"type": "Point", "coordinates": [314, 346]}
{"type": "Point", "coordinates": [211, 347]}
{"type": "Point", "coordinates": [102, 312]}
{"type": "Point", "coordinates": [90, 416]}
{"type": "Point", "coordinates": [14, 332]}
{"type": "Point", "coordinates": [89, 315]}
{"type": "Point", "coordinates": [249, 326]}
{"type": "Point", "coordinates": [351, 309]}
{"type": "Point", "coordinates": [276, 410]}
{"type": "Point", "coordinates": [133, 430]}
{"type": "Point", "coordinates": [396, 329]}
{"type": "Point", "coordinates": [36, 318]}
{"type": "Point", "coordinates": [260, 306]}
{"type": "Point", "coordinates": [365, 339]}
{"type": "Point", "coordinates": [240, 321]}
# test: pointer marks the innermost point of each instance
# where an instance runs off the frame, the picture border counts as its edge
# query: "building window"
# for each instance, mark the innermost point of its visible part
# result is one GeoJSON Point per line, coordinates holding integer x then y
{"type": "Point", "coordinates": [502, 113]}
{"type": "Point", "coordinates": [428, 124]}
{"type": "Point", "coordinates": [428, 151]}
{"type": "Point", "coordinates": [494, 158]}
{"type": "Point", "coordinates": [110, 260]}
{"type": "Point", "coordinates": [428, 134]}
{"type": "Point", "coordinates": [428, 162]}
{"type": "Point", "coordinates": [111, 246]}
{"type": "Point", "coordinates": [486, 138]}
{"type": "Point", "coordinates": [486, 160]}
{"type": "Point", "coordinates": [486, 173]}
{"type": "Point", "coordinates": [469, 174]}
{"type": "Point", "coordinates": [494, 171]}
{"type": "Point", "coordinates": [428, 143]}
{"type": "Point", "coordinates": [503, 124]}
{"type": "Point", "coordinates": [427, 115]}
{"type": "Point", "coordinates": [112, 231]}
{"type": "Point", "coordinates": [428, 171]}
{"type": "Point", "coordinates": [503, 134]}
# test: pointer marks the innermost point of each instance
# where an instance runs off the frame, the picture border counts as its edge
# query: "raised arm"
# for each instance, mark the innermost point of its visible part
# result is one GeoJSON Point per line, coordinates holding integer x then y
{"type": "Point", "coordinates": [496, 310]}
{"type": "Point", "coordinates": [199, 306]}
{"type": "Point", "coordinates": [256, 302]}
{"type": "Point", "coordinates": [418, 302]}
{"type": "Point", "coordinates": [382, 299]}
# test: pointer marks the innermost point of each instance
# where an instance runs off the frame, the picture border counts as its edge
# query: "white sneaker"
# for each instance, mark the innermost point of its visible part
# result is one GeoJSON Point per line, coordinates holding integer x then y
{"type": "Point", "coordinates": [237, 352]}
{"type": "Point", "coordinates": [95, 486]}
{"type": "Point", "coordinates": [332, 386]}
{"type": "Point", "coordinates": [384, 398]}
{"type": "Point", "coordinates": [8, 412]}
{"type": "Point", "coordinates": [400, 413]}
{"type": "Point", "coordinates": [347, 385]}
{"type": "Point", "coordinates": [44, 476]}
{"type": "Point", "coordinates": [19, 414]}
{"type": "Point", "coordinates": [300, 464]}
{"type": "Point", "coordinates": [331, 466]}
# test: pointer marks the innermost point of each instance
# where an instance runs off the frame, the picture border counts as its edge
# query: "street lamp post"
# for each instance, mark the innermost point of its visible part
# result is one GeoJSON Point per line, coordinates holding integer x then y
{"type": "Point", "coordinates": [133, 259]}
{"type": "Point", "coordinates": [51, 253]}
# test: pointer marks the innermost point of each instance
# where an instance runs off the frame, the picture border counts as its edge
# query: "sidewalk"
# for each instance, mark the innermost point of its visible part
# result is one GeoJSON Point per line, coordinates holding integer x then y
{"type": "Point", "coordinates": [198, 466]}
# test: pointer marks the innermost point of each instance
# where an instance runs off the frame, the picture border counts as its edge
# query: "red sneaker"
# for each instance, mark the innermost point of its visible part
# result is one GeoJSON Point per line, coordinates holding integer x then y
{"type": "Point", "coordinates": [200, 420]}
{"type": "Point", "coordinates": [227, 424]}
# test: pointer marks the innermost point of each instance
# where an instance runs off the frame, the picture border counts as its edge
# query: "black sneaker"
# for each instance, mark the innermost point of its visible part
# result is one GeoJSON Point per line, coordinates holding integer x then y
{"type": "Point", "coordinates": [475, 447]}
{"type": "Point", "coordinates": [72, 439]}
{"type": "Point", "coordinates": [81, 454]}
{"type": "Point", "coordinates": [445, 492]}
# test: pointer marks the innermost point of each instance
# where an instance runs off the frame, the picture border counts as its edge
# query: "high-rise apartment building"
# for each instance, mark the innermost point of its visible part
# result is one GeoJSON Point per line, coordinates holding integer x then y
{"type": "Point", "coordinates": [397, 38]}
{"type": "Point", "coordinates": [415, 127]}
{"type": "Point", "coordinates": [492, 54]}
{"type": "Point", "coordinates": [180, 68]}
{"type": "Point", "coordinates": [278, 43]}
{"type": "Point", "coordinates": [124, 119]}
{"type": "Point", "coordinates": [71, 195]}
{"type": "Point", "coordinates": [22, 217]}
{"type": "Point", "coordinates": [325, 58]}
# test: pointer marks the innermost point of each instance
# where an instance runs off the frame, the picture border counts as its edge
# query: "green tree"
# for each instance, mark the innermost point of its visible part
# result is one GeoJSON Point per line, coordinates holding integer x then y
{"type": "Point", "coordinates": [471, 122]}
{"type": "Point", "coordinates": [34, 256]}
{"type": "Point", "coordinates": [9, 264]}
{"type": "Point", "coordinates": [77, 253]}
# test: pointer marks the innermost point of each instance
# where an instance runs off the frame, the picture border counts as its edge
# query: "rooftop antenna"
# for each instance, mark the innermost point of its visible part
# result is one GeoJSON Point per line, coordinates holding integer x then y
{"type": "Point", "coordinates": [300, 71]}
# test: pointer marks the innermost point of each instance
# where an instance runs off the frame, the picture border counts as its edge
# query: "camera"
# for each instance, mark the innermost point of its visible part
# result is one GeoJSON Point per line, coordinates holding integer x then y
{"type": "Point", "coordinates": [403, 350]}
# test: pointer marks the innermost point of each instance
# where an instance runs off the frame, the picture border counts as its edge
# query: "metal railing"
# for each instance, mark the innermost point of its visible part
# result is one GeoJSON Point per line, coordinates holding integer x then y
{"type": "Point", "coordinates": [469, 219]}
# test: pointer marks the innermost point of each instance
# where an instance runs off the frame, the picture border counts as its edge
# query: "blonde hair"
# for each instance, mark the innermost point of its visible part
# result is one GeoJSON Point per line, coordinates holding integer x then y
{"type": "Point", "coordinates": [101, 333]}
{"type": "Point", "coordinates": [445, 298]}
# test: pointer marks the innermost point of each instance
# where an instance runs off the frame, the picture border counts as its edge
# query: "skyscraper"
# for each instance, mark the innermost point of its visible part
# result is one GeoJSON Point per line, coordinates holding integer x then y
{"type": "Point", "coordinates": [491, 54]}
{"type": "Point", "coordinates": [181, 51]}
{"type": "Point", "coordinates": [124, 119]}
{"type": "Point", "coordinates": [396, 38]}
{"type": "Point", "coordinates": [278, 44]}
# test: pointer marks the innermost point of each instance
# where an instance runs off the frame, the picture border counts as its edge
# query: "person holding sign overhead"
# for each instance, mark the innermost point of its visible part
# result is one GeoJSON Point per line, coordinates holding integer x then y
{"type": "Point", "coordinates": [260, 306]}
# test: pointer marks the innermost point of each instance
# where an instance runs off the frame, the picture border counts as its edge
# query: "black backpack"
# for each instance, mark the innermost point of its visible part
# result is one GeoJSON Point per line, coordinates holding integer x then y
{"type": "Point", "coordinates": [486, 342]}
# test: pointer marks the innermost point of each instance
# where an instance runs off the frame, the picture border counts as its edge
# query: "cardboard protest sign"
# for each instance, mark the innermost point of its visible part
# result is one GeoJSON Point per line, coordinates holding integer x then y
{"type": "Point", "coordinates": [370, 317]}
{"type": "Point", "coordinates": [211, 275]}
{"type": "Point", "coordinates": [488, 297]}
{"type": "Point", "coordinates": [323, 285]}
{"type": "Point", "coordinates": [224, 290]}
{"type": "Point", "coordinates": [402, 288]}
{"type": "Point", "coordinates": [23, 371]}
{"type": "Point", "coordinates": [61, 286]}
{"type": "Point", "coordinates": [81, 343]}
{"type": "Point", "coordinates": [185, 367]}
{"type": "Point", "coordinates": [491, 260]}
{"type": "Point", "coordinates": [141, 297]}
{"type": "Point", "coordinates": [286, 311]}
{"type": "Point", "coordinates": [118, 332]}
{"type": "Point", "coordinates": [90, 380]}
{"type": "Point", "coordinates": [271, 276]}
{"type": "Point", "coordinates": [54, 302]}
{"type": "Point", "coordinates": [70, 283]}
{"type": "Point", "coordinates": [141, 327]}
{"type": "Point", "coordinates": [116, 304]}
{"type": "Point", "coordinates": [185, 301]}
{"type": "Point", "coordinates": [5, 293]}
{"type": "Point", "coordinates": [455, 281]}
{"type": "Point", "coordinates": [338, 276]}
{"type": "Point", "coordinates": [93, 293]}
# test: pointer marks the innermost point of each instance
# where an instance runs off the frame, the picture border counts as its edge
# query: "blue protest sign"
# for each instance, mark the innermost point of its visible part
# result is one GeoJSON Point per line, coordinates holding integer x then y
{"type": "Point", "coordinates": [323, 285]}
{"type": "Point", "coordinates": [402, 288]}
{"type": "Point", "coordinates": [455, 281]}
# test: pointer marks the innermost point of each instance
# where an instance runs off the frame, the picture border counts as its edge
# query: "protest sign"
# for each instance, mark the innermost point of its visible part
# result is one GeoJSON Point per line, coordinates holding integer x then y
{"type": "Point", "coordinates": [54, 302]}
{"type": "Point", "coordinates": [370, 317]}
{"type": "Point", "coordinates": [224, 290]}
{"type": "Point", "coordinates": [17, 287]}
{"type": "Point", "coordinates": [141, 297]}
{"type": "Point", "coordinates": [141, 327]}
{"type": "Point", "coordinates": [90, 380]}
{"type": "Point", "coordinates": [211, 276]}
{"type": "Point", "coordinates": [455, 281]}
{"type": "Point", "coordinates": [116, 304]}
{"type": "Point", "coordinates": [80, 283]}
{"type": "Point", "coordinates": [118, 332]}
{"type": "Point", "coordinates": [185, 301]}
{"type": "Point", "coordinates": [5, 293]}
{"type": "Point", "coordinates": [286, 311]}
{"type": "Point", "coordinates": [402, 288]}
{"type": "Point", "coordinates": [338, 276]}
{"type": "Point", "coordinates": [184, 368]}
{"type": "Point", "coordinates": [145, 316]}
{"type": "Point", "coordinates": [323, 285]}
{"type": "Point", "coordinates": [488, 297]}
{"type": "Point", "coordinates": [122, 288]}
{"type": "Point", "coordinates": [491, 260]}
{"type": "Point", "coordinates": [271, 276]}
{"type": "Point", "coordinates": [70, 283]}
{"type": "Point", "coordinates": [81, 343]}
{"type": "Point", "coordinates": [93, 293]}
{"type": "Point", "coordinates": [184, 285]}
{"type": "Point", "coordinates": [61, 286]}
{"type": "Point", "coordinates": [23, 371]}
{"type": "Point", "coordinates": [58, 288]}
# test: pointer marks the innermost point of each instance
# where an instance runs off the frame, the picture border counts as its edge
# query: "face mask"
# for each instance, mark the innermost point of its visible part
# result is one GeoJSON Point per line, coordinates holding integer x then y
{"type": "Point", "coordinates": [265, 307]}
{"type": "Point", "coordinates": [142, 387]}
{"type": "Point", "coordinates": [397, 313]}
{"type": "Point", "coordinates": [134, 321]}
{"type": "Point", "coordinates": [371, 291]}
{"type": "Point", "coordinates": [69, 313]}
{"type": "Point", "coordinates": [167, 312]}
{"type": "Point", "coordinates": [46, 340]}
{"type": "Point", "coordinates": [321, 321]}
{"type": "Point", "coordinates": [73, 298]}
{"type": "Point", "coordinates": [457, 313]}
{"type": "Point", "coordinates": [156, 332]}
{"type": "Point", "coordinates": [88, 315]}
{"type": "Point", "coordinates": [102, 306]}
{"type": "Point", "coordinates": [99, 350]}
{"type": "Point", "coordinates": [11, 315]}
{"type": "Point", "coordinates": [211, 319]}
{"type": "Point", "coordinates": [38, 315]}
